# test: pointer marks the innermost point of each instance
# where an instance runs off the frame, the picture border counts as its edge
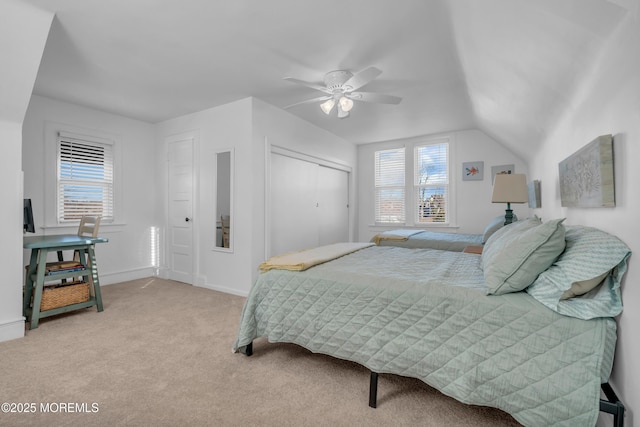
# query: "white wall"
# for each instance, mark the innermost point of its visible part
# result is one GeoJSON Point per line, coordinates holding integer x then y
{"type": "Point", "coordinates": [128, 254]}
{"type": "Point", "coordinates": [243, 125]}
{"type": "Point", "coordinates": [276, 127]}
{"type": "Point", "coordinates": [219, 128]}
{"type": "Point", "coordinates": [608, 102]}
{"type": "Point", "coordinates": [23, 34]}
{"type": "Point", "coordinates": [472, 202]}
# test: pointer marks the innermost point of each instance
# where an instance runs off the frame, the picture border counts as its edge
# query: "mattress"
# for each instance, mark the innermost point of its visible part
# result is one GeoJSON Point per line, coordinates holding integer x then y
{"type": "Point", "coordinates": [425, 314]}
{"type": "Point", "coordinates": [433, 240]}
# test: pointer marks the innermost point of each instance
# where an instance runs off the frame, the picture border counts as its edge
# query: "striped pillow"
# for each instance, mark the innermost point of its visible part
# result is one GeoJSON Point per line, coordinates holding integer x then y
{"type": "Point", "coordinates": [589, 254]}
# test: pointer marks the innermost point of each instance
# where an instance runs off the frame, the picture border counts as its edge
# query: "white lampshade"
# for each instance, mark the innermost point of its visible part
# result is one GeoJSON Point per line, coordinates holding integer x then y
{"type": "Point", "coordinates": [327, 106]}
{"type": "Point", "coordinates": [346, 104]}
{"type": "Point", "coordinates": [510, 188]}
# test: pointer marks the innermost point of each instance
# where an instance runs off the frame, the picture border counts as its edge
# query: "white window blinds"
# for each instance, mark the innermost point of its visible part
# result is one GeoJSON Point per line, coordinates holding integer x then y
{"type": "Point", "coordinates": [85, 178]}
{"type": "Point", "coordinates": [431, 183]}
{"type": "Point", "coordinates": [390, 186]}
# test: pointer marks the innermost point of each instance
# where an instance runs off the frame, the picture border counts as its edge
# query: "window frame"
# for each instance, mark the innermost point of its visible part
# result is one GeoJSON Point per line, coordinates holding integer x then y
{"type": "Point", "coordinates": [403, 187]}
{"type": "Point", "coordinates": [81, 150]}
{"type": "Point", "coordinates": [52, 131]}
{"type": "Point", "coordinates": [410, 198]}
{"type": "Point", "coordinates": [417, 187]}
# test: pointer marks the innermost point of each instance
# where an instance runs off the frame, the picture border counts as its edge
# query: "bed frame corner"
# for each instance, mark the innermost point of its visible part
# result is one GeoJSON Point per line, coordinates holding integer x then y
{"type": "Point", "coordinates": [613, 405]}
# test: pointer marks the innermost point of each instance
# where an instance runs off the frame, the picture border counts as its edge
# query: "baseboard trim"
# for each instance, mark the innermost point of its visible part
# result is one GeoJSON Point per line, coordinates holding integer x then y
{"type": "Point", "coordinates": [224, 289]}
{"type": "Point", "coordinates": [127, 275]}
{"type": "Point", "coordinates": [12, 329]}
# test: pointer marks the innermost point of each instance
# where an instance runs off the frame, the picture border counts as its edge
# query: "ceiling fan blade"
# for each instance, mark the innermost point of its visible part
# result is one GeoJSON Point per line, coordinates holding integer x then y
{"type": "Point", "coordinates": [308, 84]}
{"type": "Point", "coordinates": [360, 79]}
{"type": "Point", "coordinates": [309, 101]}
{"type": "Point", "coordinates": [374, 97]}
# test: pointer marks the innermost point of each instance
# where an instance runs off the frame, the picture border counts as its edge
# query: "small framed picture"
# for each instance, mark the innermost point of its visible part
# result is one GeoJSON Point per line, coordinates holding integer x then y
{"type": "Point", "coordinates": [501, 169]}
{"type": "Point", "coordinates": [534, 194]}
{"type": "Point", "coordinates": [472, 171]}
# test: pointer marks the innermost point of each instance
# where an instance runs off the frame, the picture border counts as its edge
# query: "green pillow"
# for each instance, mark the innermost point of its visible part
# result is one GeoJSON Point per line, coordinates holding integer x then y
{"type": "Point", "coordinates": [521, 258]}
{"type": "Point", "coordinates": [500, 238]}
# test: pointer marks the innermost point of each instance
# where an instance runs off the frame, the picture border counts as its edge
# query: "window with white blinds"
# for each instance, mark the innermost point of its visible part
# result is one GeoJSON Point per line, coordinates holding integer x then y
{"type": "Point", "coordinates": [390, 186]}
{"type": "Point", "coordinates": [431, 183]}
{"type": "Point", "coordinates": [85, 178]}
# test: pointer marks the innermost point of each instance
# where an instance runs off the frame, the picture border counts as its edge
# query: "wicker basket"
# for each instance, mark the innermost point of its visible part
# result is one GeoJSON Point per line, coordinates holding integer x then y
{"type": "Point", "coordinates": [64, 294]}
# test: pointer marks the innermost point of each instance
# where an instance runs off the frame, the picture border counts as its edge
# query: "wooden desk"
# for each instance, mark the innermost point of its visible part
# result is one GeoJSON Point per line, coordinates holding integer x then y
{"type": "Point", "coordinates": [36, 274]}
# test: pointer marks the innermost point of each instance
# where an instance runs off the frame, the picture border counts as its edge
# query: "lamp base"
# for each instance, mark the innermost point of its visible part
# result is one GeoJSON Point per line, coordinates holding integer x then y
{"type": "Point", "coordinates": [508, 216]}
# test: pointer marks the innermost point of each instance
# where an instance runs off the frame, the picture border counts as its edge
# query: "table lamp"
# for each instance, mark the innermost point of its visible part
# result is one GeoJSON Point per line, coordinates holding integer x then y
{"type": "Point", "coordinates": [510, 188]}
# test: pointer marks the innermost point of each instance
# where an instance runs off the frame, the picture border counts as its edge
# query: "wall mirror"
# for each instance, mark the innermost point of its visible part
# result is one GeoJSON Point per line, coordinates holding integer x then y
{"type": "Point", "coordinates": [224, 201]}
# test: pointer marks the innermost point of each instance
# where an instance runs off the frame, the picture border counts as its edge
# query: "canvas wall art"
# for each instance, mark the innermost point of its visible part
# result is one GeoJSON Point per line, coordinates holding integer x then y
{"type": "Point", "coordinates": [587, 178]}
{"type": "Point", "coordinates": [535, 200]}
{"type": "Point", "coordinates": [473, 171]}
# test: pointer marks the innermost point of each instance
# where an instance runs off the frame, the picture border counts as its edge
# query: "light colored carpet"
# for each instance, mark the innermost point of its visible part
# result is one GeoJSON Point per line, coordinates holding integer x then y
{"type": "Point", "coordinates": [160, 355]}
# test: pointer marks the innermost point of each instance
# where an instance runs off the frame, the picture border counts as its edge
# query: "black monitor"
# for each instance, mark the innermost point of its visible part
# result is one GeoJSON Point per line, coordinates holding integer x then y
{"type": "Point", "coordinates": [29, 226]}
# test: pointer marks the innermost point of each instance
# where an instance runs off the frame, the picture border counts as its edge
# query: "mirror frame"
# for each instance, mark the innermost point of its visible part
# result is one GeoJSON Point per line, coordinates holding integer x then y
{"type": "Point", "coordinates": [231, 200]}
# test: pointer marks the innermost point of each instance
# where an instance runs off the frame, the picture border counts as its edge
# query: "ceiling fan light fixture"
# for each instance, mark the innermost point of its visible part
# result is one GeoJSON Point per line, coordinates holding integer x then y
{"type": "Point", "coordinates": [341, 90]}
{"type": "Point", "coordinates": [327, 106]}
{"type": "Point", "coordinates": [342, 114]}
{"type": "Point", "coordinates": [346, 104]}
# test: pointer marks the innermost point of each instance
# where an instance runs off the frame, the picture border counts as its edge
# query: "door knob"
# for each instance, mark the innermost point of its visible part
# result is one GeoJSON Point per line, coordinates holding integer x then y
{"type": "Point", "coordinates": [187, 219]}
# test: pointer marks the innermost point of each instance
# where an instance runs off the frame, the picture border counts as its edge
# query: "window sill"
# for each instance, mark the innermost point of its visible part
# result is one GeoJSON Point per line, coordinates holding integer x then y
{"type": "Point", "coordinates": [105, 228]}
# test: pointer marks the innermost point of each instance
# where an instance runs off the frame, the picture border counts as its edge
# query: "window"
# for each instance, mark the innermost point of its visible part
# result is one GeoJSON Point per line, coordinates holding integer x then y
{"type": "Point", "coordinates": [390, 186]}
{"type": "Point", "coordinates": [431, 183]}
{"type": "Point", "coordinates": [85, 178]}
{"type": "Point", "coordinates": [421, 201]}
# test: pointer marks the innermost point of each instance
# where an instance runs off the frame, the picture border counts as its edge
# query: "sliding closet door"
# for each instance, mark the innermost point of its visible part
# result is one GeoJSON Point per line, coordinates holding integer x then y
{"type": "Point", "coordinates": [308, 205]}
{"type": "Point", "coordinates": [294, 215]}
{"type": "Point", "coordinates": [333, 205]}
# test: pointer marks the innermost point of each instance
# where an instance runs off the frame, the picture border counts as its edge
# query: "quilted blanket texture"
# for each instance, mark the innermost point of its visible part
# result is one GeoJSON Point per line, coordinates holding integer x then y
{"type": "Point", "coordinates": [424, 314]}
{"type": "Point", "coordinates": [301, 260]}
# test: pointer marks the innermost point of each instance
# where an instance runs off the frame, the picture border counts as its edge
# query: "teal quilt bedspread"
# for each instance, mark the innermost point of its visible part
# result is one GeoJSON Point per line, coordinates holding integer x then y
{"type": "Point", "coordinates": [423, 313]}
{"type": "Point", "coordinates": [436, 240]}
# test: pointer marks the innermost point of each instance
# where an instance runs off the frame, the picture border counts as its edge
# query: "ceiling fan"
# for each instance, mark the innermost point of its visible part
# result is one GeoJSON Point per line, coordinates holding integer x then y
{"type": "Point", "coordinates": [340, 87]}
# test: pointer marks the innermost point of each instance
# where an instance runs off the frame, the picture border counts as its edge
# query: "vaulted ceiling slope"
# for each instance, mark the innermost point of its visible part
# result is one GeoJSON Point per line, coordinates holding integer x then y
{"type": "Point", "coordinates": [507, 67]}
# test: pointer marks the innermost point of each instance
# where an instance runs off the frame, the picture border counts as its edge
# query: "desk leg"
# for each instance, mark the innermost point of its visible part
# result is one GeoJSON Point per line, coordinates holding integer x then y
{"type": "Point", "coordinates": [28, 282]}
{"type": "Point", "coordinates": [37, 296]}
{"type": "Point", "coordinates": [94, 276]}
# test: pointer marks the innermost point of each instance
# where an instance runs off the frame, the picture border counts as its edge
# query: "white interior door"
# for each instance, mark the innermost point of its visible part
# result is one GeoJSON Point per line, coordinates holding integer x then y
{"type": "Point", "coordinates": [181, 186]}
{"type": "Point", "coordinates": [333, 205]}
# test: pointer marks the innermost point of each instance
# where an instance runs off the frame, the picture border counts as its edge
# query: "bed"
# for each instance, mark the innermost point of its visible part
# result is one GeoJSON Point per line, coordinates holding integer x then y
{"type": "Point", "coordinates": [412, 238]}
{"type": "Point", "coordinates": [440, 316]}
{"type": "Point", "coordinates": [421, 239]}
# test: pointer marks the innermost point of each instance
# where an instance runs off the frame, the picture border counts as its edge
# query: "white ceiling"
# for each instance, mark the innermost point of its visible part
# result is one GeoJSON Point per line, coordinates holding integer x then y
{"type": "Point", "coordinates": [507, 67]}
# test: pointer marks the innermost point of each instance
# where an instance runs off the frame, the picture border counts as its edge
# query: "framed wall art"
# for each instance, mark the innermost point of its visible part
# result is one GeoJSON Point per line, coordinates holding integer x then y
{"type": "Point", "coordinates": [501, 169]}
{"type": "Point", "coordinates": [473, 171]}
{"type": "Point", "coordinates": [587, 178]}
{"type": "Point", "coordinates": [534, 194]}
